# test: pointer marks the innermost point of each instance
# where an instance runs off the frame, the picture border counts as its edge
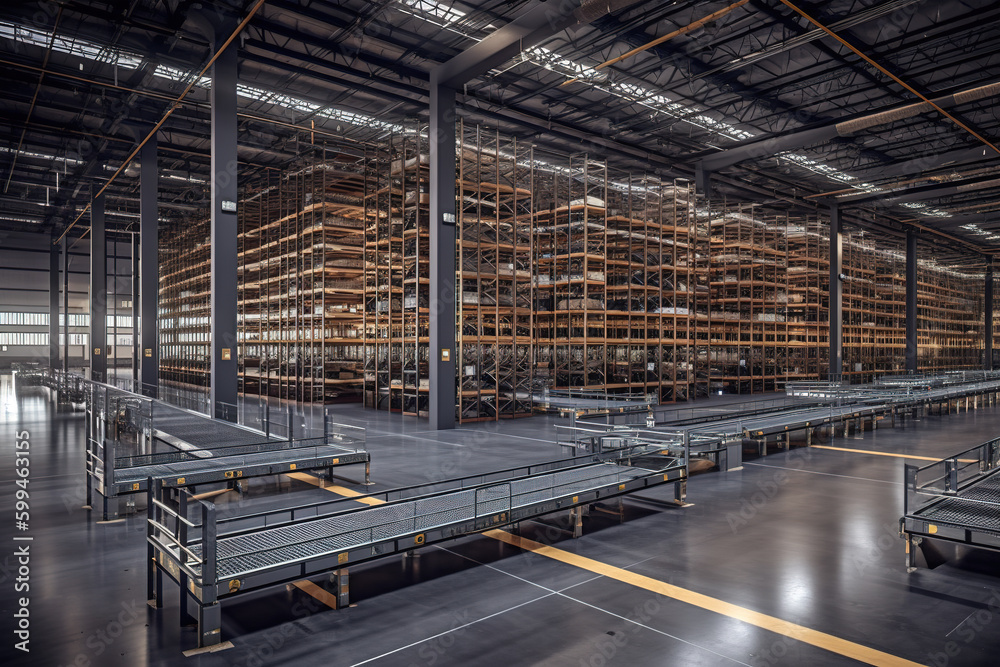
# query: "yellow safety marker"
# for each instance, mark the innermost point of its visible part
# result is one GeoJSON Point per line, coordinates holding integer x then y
{"type": "Point", "coordinates": [807, 635]}
{"type": "Point", "coordinates": [333, 488]}
{"type": "Point", "coordinates": [773, 624]}
{"type": "Point", "coordinates": [899, 456]}
{"type": "Point", "coordinates": [318, 592]}
{"type": "Point", "coordinates": [208, 649]}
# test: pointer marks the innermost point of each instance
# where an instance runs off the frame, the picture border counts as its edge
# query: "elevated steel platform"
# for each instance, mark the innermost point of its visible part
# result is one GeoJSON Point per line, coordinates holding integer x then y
{"type": "Point", "coordinates": [955, 500]}
{"type": "Point", "coordinates": [132, 438]}
{"type": "Point", "coordinates": [214, 558]}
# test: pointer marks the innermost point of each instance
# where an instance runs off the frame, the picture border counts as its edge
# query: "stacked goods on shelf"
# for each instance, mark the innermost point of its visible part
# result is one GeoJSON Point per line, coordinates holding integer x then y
{"type": "Point", "coordinates": [185, 302]}
{"type": "Point", "coordinates": [397, 279]}
{"type": "Point", "coordinates": [749, 279]}
{"type": "Point", "coordinates": [862, 356]}
{"type": "Point", "coordinates": [950, 319]}
{"type": "Point", "coordinates": [301, 281]}
{"type": "Point", "coordinates": [949, 312]}
{"type": "Point", "coordinates": [494, 276]}
{"type": "Point", "coordinates": [570, 238]}
{"type": "Point", "coordinates": [616, 286]}
{"type": "Point", "coordinates": [808, 309]}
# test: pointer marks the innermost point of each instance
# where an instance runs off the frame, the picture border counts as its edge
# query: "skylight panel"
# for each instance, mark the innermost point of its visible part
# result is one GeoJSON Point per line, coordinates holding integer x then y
{"type": "Point", "coordinates": [438, 13]}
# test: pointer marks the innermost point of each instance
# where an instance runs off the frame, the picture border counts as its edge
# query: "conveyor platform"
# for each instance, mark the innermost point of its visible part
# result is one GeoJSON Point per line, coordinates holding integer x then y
{"type": "Point", "coordinates": [213, 558]}
{"type": "Point", "coordinates": [954, 500]}
{"type": "Point", "coordinates": [132, 438]}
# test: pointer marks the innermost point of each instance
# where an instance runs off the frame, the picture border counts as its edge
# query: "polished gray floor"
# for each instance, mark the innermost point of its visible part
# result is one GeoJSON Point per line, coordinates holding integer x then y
{"type": "Point", "coordinates": [809, 536]}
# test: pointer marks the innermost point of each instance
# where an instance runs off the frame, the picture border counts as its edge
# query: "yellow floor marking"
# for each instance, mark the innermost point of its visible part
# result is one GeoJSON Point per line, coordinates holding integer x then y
{"type": "Point", "coordinates": [208, 649]}
{"type": "Point", "coordinates": [801, 633]}
{"type": "Point", "coordinates": [333, 488]}
{"type": "Point", "coordinates": [901, 456]}
{"type": "Point", "coordinates": [209, 494]}
{"type": "Point", "coordinates": [809, 636]}
{"type": "Point", "coordinates": [321, 594]}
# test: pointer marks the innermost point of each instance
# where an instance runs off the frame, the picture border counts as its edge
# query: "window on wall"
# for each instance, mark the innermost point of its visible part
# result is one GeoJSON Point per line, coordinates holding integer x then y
{"type": "Point", "coordinates": [19, 338]}
{"type": "Point", "coordinates": [24, 319]}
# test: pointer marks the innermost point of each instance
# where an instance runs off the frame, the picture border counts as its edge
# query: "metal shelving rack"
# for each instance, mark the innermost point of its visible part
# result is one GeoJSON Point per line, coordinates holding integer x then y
{"type": "Point", "coordinates": [808, 309]}
{"type": "Point", "coordinates": [749, 296]}
{"type": "Point", "coordinates": [301, 281]}
{"type": "Point", "coordinates": [494, 278]}
{"type": "Point", "coordinates": [185, 306]}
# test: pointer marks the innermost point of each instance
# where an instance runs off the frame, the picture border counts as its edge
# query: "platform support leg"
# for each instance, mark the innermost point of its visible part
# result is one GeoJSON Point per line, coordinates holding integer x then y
{"type": "Point", "coordinates": [186, 618]}
{"type": "Point", "coordinates": [788, 441]}
{"type": "Point", "coordinates": [154, 581]}
{"type": "Point", "coordinates": [847, 427]}
{"type": "Point", "coordinates": [110, 511]}
{"type": "Point", "coordinates": [680, 492]}
{"type": "Point", "coordinates": [368, 473]}
{"type": "Point", "coordinates": [809, 437]}
{"type": "Point", "coordinates": [911, 553]}
{"type": "Point", "coordinates": [342, 588]}
{"type": "Point", "coordinates": [209, 624]}
{"type": "Point", "coordinates": [576, 519]}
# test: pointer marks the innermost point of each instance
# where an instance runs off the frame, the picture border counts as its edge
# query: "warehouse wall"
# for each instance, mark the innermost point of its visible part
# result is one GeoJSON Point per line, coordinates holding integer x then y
{"type": "Point", "coordinates": [24, 289]}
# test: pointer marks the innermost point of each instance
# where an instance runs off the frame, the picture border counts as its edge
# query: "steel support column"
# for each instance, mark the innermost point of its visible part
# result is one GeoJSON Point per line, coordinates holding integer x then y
{"type": "Point", "coordinates": [98, 292]}
{"type": "Point", "coordinates": [53, 306]}
{"type": "Point", "coordinates": [988, 318]}
{"type": "Point", "coordinates": [65, 263]}
{"type": "Point", "coordinates": [702, 180]}
{"type": "Point", "coordinates": [442, 256]}
{"type": "Point", "coordinates": [911, 301]}
{"type": "Point", "coordinates": [135, 307]}
{"type": "Point", "coordinates": [224, 231]}
{"type": "Point", "coordinates": [836, 295]}
{"type": "Point", "coordinates": [147, 307]}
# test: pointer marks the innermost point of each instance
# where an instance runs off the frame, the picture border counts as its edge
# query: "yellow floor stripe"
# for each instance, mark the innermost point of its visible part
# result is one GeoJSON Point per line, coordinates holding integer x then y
{"type": "Point", "coordinates": [801, 633]}
{"type": "Point", "coordinates": [900, 456]}
{"type": "Point", "coordinates": [321, 594]}
{"type": "Point", "coordinates": [821, 639]}
{"type": "Point", "coordinates": [211, 494]}
{"type": "Point", "coordinates": [333, 488]}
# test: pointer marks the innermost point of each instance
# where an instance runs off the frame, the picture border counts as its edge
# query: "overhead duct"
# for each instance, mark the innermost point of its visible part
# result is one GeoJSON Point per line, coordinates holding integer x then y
{"type": "Point", "coordinates": [884, 117]}
{"type": "Point", "coordinates": [770, 146]}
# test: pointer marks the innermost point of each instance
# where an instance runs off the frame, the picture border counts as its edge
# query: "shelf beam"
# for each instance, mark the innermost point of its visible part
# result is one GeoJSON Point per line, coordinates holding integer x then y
{"type": "Point", "coordinates": [224, 375]}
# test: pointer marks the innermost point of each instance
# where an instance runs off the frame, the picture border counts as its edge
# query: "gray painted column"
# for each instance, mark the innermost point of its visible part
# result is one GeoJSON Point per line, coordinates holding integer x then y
{"type": "Point", "coordinates": [135, 304]}
{"type": "Point", "coordinates": [836, 294]}
{"type": "Point", "coordinates": [702, 180]}
{"type": "Point", "coordinates": [224, 230]}
{"type": "Point", "coordinates": [988, 318]}
{"type": "Point", "coordinates": [98, 292]}
{"type": "Point", "coordinates": [65, 263]}
{"type": "Point", "coordinates": [53, 305]}
{"type": "Point", "coordinates": [442, 255]}
{"type": "Point", "coordinates": [147, 307]}
{"type": "Point", "coordinates": [911, 301]}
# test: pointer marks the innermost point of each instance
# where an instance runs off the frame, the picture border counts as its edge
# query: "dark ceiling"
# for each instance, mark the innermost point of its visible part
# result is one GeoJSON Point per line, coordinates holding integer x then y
{"type": "Point", "coordinates": [76, 103]}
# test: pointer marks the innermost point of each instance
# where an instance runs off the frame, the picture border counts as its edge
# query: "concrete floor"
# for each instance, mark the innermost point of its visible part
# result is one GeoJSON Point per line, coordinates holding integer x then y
{"type": "Point", "coordinates": [808, 537]}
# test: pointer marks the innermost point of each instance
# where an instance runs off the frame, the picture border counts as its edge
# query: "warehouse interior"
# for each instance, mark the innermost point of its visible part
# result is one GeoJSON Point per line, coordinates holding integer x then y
{"type": "Point", "coordinates": [689, 305]}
